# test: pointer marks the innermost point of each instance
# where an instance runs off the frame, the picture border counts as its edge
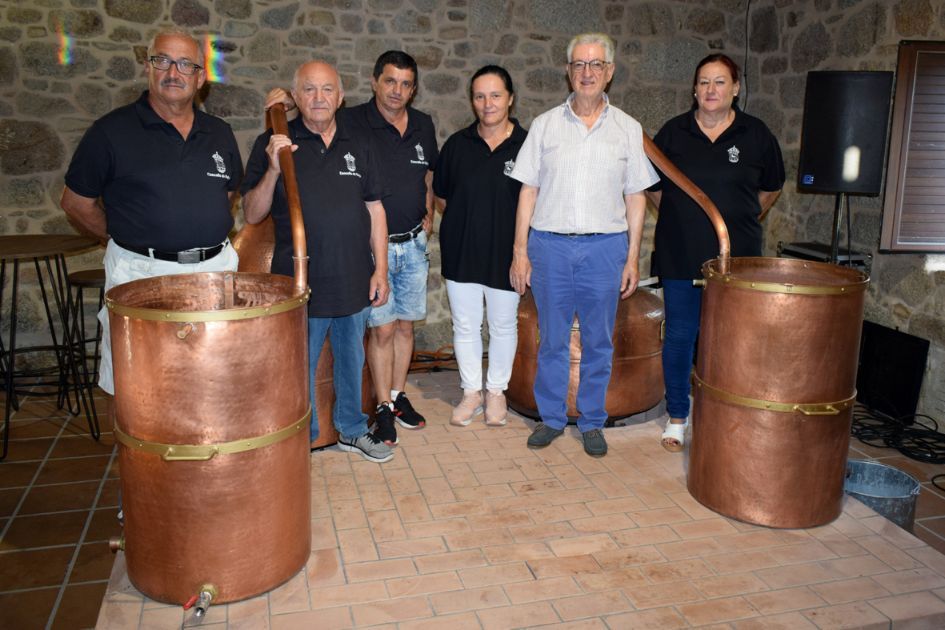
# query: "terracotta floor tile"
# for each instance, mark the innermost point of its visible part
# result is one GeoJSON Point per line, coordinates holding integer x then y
{"type": "Point", "coordinates": [82, 445]}
{"type": "Point", "coordinates": [44, 530]}
{"type": "Point", "coordinates": [935, 525]}
{"type": "Point", "coordinates": [450, 561]}
{"type": "Point", "coordinates": [633, 556]}
{"type": "Point", "coordinates": [855, 615]}
{"type": "Point", "coordinates": [468, 599]}
{"type": "Point", "coordinates": [461, 621]}
{"type": "Point", "coordinates": [787, 621]}
{"type": "Point", "coordinates": [103, 526]}
{"type": "Point", "coordinates": [582, 545]}
{"type": "Point", "coordinates": [544, 531]}
{"type": "Point", "coordinates": [538, 590]}
{"type": "Point", "coordinates": [571, 565]}
{"type": "Point", "coordinates": [356, 545]}
{"type": "Point", "coordinates": [9, 499]}
{"type": "Point", "coordinates": [602, 524]}
{"type": "Point", "coordinates": [717, 611]}
{"type": "Point", "coordinates": [293, 596]}
{"type": "Point", "coordinates": [628, 578]}
{"type": "Point", "coordinates": [76, 469]}
{"type": "Point", "coordinates": [324, 568]}
{"type": "Point", "coordinates": [323, 533]}
{"type": "Point", "coordinates": [517, 616]}
{"type": "Point", "coordinates": [664, 618]}
{"type": "Point", "coordinates": [729, 585]}
{"type": "Point", "coordinates": [249, 614]}
{"type": "Point", "coordinates": [499, 574]}
{"type": "Point", "coordinates": [94, 562]}
{"type": "Point", "coordinates": [592, 605]}
{"type": "Point", "coordinates": [697, 548]}
{"type": "Point", "coordinates": [497, 554]}
{"type": "Point", "coordinates": [478, 538]}
{"type": "Point", "coordinates": [496, 521]}
{"type": "Point", "coordinates": [30, 610]}
{"type": "Point", "coordinates": [331, 619]}
{"type": "Point", "coordinates": [887, 552]}
{"type": "Point", "coordinates": [704, 528]}
{"type": "Point", "coordinates": [741, 562]}
{"type": "Point", "coordinates": [930, 502]}
{"type": "Point", "coordinates": [645, 536]}
{"type": "Point", "coordinates": [846, 591]}
{"type": "Point", "coordinates": [21, 450]}
{"type": "Point", "coordinates": [411, 547]}
{"type": "Point", "coordinates": [424, 584]}
{"type": "Point", "coordinates": [79, 606]}
{"type": "Point", "coordinates": [348, 595]}
{"type": "Point", "coordinates": [666, 594]}
{"type": "Point", "coordinates": [23, 427]}
{"type": "Point", "coordinates": [786, 600]}
{"type": "Point", "coordinates": [166, 617]}
{"type": "Point", "coordinates": [379, 570]}
{"type": "Point", "coordinates": [412, 508]}
{"type": "Point", "coordinates": [59, 497]}
{"type": "Point", "coordinates": [675, 571]}
{"type": "Point", "coordinates": [929, 537]}
{"type": "Point", "coordinates": [34, 568]}
{"type": "Point", "coordinates": [17, 474]}
{"type": "Point", "coordinates": [386, 526]}
{"type": "Point", "coordinates": [393, 611]}
{"type": "Point", "coordinates": [348, 514]}
{"type": "Point", "coordinates": [661, 516]}
{"type": "Point", "coordinates": [910, 580]}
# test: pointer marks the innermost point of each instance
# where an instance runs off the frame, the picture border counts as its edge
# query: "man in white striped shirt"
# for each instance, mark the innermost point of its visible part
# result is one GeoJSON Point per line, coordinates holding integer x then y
{"type": "Point", "coordinates": [577, 238]}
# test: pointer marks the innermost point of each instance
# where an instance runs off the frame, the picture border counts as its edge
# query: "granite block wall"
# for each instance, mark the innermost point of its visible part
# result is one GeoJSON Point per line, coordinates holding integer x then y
{"type": "Point", "coordinates": [64, 63]}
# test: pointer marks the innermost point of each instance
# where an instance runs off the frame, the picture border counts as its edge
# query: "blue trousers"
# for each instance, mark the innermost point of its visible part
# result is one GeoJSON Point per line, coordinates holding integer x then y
{"type": "Point", "coordinates": [683, 307]}
{"type": "Point", "coordinates": [575, 275]}
{"type": "Point", "coordinates": [347, 348]}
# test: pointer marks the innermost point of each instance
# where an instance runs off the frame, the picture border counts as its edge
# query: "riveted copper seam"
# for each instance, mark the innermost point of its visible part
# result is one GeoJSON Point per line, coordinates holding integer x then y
{"type": "Point", "coordinates": [808, 409]}
{"type": "Point", "coordinates": [203, 452]}
{"type": "Point", "coordinates": [161, 315]}
{"type": "Point", "coordinates": [785, 287]}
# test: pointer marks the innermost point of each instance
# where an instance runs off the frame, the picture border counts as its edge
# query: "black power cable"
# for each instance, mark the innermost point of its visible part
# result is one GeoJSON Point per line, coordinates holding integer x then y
{"type": "Point", "coordinates": [915, 436]}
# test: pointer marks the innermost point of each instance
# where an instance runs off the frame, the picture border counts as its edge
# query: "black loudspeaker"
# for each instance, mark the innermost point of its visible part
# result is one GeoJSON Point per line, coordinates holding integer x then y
{"type": "Point", "coordinates": [843, 140]}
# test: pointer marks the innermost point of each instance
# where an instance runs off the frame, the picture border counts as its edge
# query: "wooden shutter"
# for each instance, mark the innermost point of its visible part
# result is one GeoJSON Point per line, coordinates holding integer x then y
{"type": "Point", "coordinates": [914, 204]}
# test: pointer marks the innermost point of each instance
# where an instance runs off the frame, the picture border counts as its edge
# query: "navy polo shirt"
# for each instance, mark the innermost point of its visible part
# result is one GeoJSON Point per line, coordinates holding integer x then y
{"type": "Point", "coordinates": [404, 161]}
{"type": "Point", "coordinates": [334, 182]}
{"type": "Point", "coordinates": [743, 161]}
{"type": "Point", "coordinates": [478, 227]}
{"type": "Point", "coordinates": [159, 190]}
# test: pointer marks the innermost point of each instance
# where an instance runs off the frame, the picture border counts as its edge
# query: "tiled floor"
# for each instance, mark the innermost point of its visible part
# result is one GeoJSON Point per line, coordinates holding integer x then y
{"type": "Point", "coordinates": [468, 528]}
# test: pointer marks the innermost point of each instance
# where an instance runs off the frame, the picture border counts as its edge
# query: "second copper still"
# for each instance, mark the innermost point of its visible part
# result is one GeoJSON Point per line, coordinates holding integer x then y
{"type": "Point", "coordinates": [636, 380]}
{"type": "Point", "coordinates": [774, 388]}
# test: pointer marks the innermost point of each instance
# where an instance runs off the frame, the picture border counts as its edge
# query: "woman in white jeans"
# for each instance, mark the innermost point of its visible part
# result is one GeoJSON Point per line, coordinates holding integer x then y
{"type": "Point", "coordinates": [478, 200]}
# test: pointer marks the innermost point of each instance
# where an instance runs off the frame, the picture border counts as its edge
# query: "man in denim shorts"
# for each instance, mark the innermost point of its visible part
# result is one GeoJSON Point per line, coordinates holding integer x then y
{"type": "Point", "coordinates": [407, 141]}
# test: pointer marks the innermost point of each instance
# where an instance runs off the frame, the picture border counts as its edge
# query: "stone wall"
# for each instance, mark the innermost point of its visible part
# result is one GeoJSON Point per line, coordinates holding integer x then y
{"type": "Point", "coordinates": [46, 104]}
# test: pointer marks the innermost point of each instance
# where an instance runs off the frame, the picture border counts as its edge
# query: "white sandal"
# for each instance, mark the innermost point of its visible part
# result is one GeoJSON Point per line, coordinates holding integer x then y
{"type": "Point", "coordinates": [674, 436]}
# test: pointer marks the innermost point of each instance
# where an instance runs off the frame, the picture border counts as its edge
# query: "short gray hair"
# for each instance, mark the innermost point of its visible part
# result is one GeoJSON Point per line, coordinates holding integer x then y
{"type": "Point", "coordinates": [593, 38]}
{"type": "Point", "coordinates": [173, 31]}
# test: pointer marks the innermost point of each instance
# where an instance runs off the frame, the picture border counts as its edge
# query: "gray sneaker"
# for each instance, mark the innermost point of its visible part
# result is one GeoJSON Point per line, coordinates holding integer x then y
{"type": "Point", "coordinates": [368, 446]}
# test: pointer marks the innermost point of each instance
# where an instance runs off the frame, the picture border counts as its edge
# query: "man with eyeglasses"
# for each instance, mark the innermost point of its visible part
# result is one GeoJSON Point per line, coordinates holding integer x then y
{"type": "Point", "coordinates": [154, 179]}
{"type": "Point", "coordinates": [578, 228]}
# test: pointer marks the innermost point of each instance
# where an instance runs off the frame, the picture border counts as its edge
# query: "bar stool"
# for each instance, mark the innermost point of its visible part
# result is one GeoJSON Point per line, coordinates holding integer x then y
{"type": "Point", "coordinates": [79, 282]}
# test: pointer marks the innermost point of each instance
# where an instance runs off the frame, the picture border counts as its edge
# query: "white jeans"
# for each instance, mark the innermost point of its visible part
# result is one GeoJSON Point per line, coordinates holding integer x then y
{"type": "Point", "coordinates": [123, 266]}
{"type": "Point", "coordinates": [502, 312]}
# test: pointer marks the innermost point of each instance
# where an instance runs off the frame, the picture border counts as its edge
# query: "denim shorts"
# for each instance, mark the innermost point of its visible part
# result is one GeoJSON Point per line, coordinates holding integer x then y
{"type": "Point", "coordinates": [408, 265]}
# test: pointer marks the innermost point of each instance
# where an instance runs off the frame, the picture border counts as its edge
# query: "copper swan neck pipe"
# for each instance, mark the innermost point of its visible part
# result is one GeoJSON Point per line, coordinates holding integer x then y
{"type": "Point", "coordinates": [299, 252]}
{"type": "Point", "coordinates": [670, 170]}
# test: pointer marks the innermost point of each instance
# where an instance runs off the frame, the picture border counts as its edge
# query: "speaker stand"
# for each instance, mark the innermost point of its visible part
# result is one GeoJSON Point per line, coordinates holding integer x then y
{"type": "Point", "coordinates": [837, 223]}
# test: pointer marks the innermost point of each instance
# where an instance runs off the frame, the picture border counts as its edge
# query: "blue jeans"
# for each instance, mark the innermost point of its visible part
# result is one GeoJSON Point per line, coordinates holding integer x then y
{"type": "Point", "coordinates": [683, 304]}
{"type": "Point", "coordinates": [575, 275]}
{"type": "Point", "coordinates": [347, 348]}
{"type": "Point", "coordinates": [408, 265]}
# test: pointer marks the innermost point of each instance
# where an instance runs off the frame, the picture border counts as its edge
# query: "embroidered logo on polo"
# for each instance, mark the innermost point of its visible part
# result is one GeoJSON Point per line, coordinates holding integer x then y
{"type": "Point", "coordinates": [220, 167]}
{"type": "Point", "coordinates": [421, 159]}
{"type": "Point", "coordinates": [352, 167]}
{"type": "Point", "coordinates": [508, 167]}
{"type": "Point", "coordinates": [733, 154]}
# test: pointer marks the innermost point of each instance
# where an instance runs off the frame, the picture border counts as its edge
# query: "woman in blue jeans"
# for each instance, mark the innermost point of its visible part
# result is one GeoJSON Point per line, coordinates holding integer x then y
{"type": "Point", "coordinates": [735, 159]}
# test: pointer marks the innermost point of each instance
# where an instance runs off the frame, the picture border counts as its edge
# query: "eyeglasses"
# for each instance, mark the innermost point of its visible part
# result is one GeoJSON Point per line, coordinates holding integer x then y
{"type": "Point", "coordinates": [164, 63]}
{"type": "Point", "coordinates": [597, 66]}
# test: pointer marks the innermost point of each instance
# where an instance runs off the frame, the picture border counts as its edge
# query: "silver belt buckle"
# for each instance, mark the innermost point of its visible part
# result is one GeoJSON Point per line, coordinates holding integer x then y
{"type": "Point", "coordinates": [189, 257]}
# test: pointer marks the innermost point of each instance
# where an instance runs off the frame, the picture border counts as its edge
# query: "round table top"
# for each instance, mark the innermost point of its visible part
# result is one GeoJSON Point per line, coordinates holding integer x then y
{"type": "Point", "coordinates": [20, 246]}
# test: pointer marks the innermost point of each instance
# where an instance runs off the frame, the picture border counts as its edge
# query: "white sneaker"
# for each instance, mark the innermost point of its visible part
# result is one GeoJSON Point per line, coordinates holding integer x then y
{"type": "Point", "coordinates": [496, 409]}
{"type": "Point", "coordinates": [469, 406]}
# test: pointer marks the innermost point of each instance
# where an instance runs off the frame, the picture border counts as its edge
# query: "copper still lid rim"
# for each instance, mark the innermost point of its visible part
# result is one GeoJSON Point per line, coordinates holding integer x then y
{"type": "Point", "coordinates": [808, 409]}
{"type": "Point", "coordinates": [767, 286]}
{"type": "Point", "coordinates": [206, 451]}
{"type": "Point", "coordinates": [220, 315]}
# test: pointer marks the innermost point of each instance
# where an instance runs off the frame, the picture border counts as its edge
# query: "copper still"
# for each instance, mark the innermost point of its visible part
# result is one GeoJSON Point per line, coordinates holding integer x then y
{"type": "Point", "coordinates": [774, 388]}
{"type": "Point", "coordinates": [636, 380]}
{"type": "Point", "coordinates": [213, 408]}
{"type": "Point", "coordinates": [774, 383]}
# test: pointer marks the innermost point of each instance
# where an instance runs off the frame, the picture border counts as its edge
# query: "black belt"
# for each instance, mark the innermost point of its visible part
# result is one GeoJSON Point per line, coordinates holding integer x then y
{"type": "Point", "coordinates": [576, 234]}
{"type": "Point", "coordinates": [405, 236]}
{"type": "Point", "coordinates": [186, 257]}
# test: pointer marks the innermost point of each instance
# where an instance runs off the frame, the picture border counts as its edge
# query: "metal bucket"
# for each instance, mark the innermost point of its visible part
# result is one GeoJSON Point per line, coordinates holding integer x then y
{"type": "Point", "coordinates": [774, 388]}
{"type": "Point", "coordinates": [636, 379]}
{"type": "Point", "coordinates": [889, 491]}
{"type": "Point", "coordinates": [211, 395]}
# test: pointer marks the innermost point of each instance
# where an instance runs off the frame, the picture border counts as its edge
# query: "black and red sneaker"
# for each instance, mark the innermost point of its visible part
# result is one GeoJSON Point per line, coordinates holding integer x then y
{"type": "Point", "coordinates": [406, 415]}
{"type": "Point", "coordinates": [384, 428]}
